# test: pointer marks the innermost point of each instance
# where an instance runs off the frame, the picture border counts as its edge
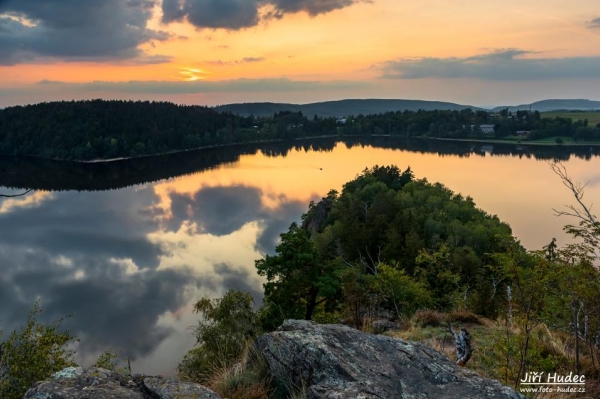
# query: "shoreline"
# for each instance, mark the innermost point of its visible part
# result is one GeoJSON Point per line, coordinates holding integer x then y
{"type": "Point", "coordinates": [519, 143]}
{"type": "Point", "coordinates": [109, 160]}
{"type": "Point", "coordinates": [479, 141]}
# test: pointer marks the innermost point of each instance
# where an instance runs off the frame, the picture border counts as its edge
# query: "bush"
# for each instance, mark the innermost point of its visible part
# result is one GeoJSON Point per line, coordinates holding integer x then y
{"type": "Point", "coordinates": [109, 360]}
{"type": "Point", "coordinates": [223, 332]}
{"type": "Point", "coordinates": [32, 354]}
{"type": "Point", "coordinates": [248, 378]}
{"type": "Point", "coordinates": [464, 316]}
{"type": "Point", "coordinates": [429, 317]}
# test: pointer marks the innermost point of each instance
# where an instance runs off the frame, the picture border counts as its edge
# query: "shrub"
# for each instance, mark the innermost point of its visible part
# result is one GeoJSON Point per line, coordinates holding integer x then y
{"type": "Point", "coordinates": [248, 378]}
{"type": "Point", "coordinates": [464, 316]}
{"type": "Point", "coordinates": [32, 354]}
{"type": "Point", "coordinates": [226, 326]}
{"type": "Point", "coordinates": [429, 317]}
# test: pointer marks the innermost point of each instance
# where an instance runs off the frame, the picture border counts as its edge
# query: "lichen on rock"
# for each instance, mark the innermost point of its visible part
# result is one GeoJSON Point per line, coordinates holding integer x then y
{"type": "Point", "coordinates": [336, 361]}
{"type": "Point", "coordinates": [98, 383]}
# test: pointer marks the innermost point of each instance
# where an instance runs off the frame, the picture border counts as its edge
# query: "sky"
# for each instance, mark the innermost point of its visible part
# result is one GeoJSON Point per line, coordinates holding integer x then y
{"type": "Point", "coordinates": [212, 52]}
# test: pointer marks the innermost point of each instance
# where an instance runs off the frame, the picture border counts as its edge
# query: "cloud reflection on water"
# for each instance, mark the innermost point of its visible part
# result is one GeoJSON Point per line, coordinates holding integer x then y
{"type": "Point", "coordinates": [130, 262]}
{"type": "Point", "coordinates": [123, 265]}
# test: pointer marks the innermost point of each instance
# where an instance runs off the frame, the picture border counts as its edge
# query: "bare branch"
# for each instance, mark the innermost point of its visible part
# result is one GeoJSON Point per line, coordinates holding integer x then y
{"type": "Point", "coordinates": [372, 261]}
{"type": "Point", "coordinates": [584, 213]}
{"type": "Point", "coordinates": [16, 195]}
{"type": "Point", "coordinates": [362, 260]}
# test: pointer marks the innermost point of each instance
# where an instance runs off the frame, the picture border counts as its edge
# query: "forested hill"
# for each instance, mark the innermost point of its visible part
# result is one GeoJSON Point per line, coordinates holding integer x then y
{"type": "Point", "coordinates": [553, 105]}
{"type": "Point", "coordinates": [108, 129]}
{"type": "Point", "coordinates": [341, 108]}
{"type": "Point", "coordinates": [98, 129]}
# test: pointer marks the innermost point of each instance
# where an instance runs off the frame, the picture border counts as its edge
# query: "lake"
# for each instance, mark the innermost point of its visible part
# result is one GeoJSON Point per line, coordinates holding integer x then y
{"type": "Point", "coordinates": [127, 247]}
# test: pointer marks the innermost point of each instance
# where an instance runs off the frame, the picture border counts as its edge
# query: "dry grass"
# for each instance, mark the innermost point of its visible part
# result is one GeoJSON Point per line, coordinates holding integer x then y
{"type": "Point", "coordinates": [443, 346]}
{"type": "Point", "coordinates": [433, 318]}
{"type": "Point", "coordinates": [466, 317]}
{"type": "Point", "coordinates": [366, 325]}
{"type": "Point", "coordinates": [489, 340]}
{"type": "Point", "coordinates": [246, 379]}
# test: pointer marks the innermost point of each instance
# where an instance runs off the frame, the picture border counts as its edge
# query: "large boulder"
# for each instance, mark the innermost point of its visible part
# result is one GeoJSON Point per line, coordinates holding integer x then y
{"type": "Point", "coordinates": [336, 361]}
{"type": "Point", "coordinates": [97, 383]}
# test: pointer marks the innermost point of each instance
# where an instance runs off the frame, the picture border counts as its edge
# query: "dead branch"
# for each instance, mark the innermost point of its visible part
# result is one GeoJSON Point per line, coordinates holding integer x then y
{"type": "Point", "coordinates": [16, 195]}
{"type": "Point", "coordinates": [462, 343]}
{"type": "Point", "coordinates": [584, 212]}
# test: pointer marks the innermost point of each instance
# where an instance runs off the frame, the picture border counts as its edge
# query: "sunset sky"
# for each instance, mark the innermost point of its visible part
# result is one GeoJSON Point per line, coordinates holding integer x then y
{"type": "Point", "coordinates": [211, 52]}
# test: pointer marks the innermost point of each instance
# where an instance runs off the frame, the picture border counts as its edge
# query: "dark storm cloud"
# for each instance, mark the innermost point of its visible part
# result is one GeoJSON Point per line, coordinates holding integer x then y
{"type": "Point", "coordinates": [108, 224]}
{"type": "Point", "coordinates": [223, 210]}
{"type": "Point", "coordinates": [239, 14]}
{"type": "Point", "coordinates": [127, 316]}
{"type": "Point", "coordinates": [219, 210]}
{"type": "Point", "coordinates": [312, 7]}
{"type": "Point", "coordinates": [506, 64]}
{"type": "Point", "coordinates": [594, 23]}
{"type": "Point", "coordinates": [278, 221]}
{"type": "Point", "coordinates": [76, 30]}
{"type": "Point", "coordinates": [239, 279]}
{"type": "Point", "coordinates": [111, 308]}
{"type": "Point", "coordinates": [49, 253]}
{"type": "Point", "coordinates": [88, 254]}
{"type": "Point", "coordinates": [230, 14]}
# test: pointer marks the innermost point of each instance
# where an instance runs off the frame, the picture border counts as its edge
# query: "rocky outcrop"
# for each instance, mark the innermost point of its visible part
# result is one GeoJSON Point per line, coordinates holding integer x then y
{"type": "Point", "coordinates": [317, 216]}
{"type": "Point", "coordinates": [336, 361]}
{"type": "Point", "coordinates": [97, 383]}
{"type": "Point", "coordinates": [327, 361]}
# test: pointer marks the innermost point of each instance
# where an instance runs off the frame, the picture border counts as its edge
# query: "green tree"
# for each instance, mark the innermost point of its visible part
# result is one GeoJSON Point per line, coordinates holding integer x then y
{"type": "Point", "coordinates": [297, 279]}
{"type": "Point", "coordinates": [32, 354]}
{"type": "Point", "coordinates": [401, 294]}
{"type": "Point", "coordinates": [226, 326]}
{"type": "Point", "coordinates": [437, 272]}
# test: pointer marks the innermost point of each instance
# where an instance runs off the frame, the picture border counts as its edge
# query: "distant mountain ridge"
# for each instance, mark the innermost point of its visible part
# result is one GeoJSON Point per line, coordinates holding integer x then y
{"type": "Point", "coordinates": [340, 108]}
{"type": "Point", "coordinates": [554, 105]}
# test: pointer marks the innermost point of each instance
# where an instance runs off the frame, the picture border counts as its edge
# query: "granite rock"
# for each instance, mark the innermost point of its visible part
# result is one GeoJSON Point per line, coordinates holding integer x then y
{"type": "Point", "coordinates": [337, 361]}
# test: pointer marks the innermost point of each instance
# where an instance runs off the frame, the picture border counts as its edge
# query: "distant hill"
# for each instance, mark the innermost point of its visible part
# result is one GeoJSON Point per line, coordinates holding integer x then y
{"type": "Point", "coordinates": [554, 105]}
{"type": "Point", "coordinates": [340, 108]}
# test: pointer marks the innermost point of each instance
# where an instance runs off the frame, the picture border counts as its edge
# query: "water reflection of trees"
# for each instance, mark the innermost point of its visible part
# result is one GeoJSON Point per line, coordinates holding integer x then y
{"type": "Point", "coordinates": [40, 174]}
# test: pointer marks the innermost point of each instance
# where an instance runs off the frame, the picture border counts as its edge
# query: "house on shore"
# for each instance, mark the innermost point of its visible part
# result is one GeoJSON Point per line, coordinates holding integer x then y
{"type": "Point", "coordinates": [485, 128]}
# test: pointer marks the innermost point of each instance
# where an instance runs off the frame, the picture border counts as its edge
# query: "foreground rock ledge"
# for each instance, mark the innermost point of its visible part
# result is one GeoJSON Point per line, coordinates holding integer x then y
{"type": "Point", "coordinates": [97, 383]}
{"type": "Point", "coordinates": [336, 361]}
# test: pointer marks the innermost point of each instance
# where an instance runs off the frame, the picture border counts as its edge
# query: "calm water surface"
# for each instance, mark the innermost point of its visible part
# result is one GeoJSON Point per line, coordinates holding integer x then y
{"type": "Point", "coordinates": [128, 263]}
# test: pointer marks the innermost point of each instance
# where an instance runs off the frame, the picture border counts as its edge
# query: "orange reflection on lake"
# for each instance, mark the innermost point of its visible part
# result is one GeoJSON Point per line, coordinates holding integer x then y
{"type": "Point", "coordinates": [522, 191]}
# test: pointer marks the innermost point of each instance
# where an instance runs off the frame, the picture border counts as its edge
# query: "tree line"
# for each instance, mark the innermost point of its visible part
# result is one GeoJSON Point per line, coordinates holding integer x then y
{"type": "Point", "coordinates": [98, 129]}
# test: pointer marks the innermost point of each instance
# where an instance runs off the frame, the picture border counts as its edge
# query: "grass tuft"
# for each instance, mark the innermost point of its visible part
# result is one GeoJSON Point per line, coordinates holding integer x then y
{"type": "Point", "coordinates": [425, 318]}
{"type": "Point", "coordinates": [247, 379]}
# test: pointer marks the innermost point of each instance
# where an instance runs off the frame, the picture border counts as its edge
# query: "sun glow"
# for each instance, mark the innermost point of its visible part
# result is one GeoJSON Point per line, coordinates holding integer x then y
{"type": "Point", "coordinates": [193, 74]}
